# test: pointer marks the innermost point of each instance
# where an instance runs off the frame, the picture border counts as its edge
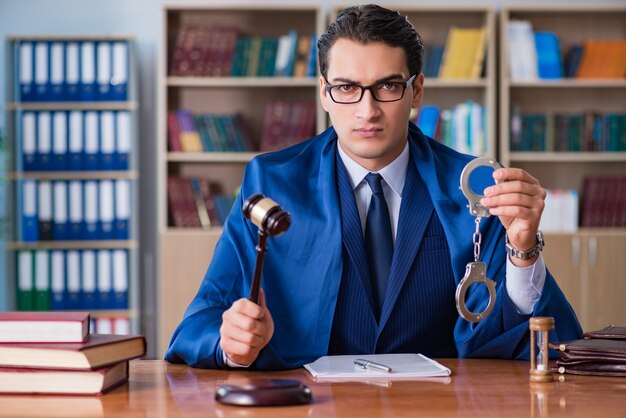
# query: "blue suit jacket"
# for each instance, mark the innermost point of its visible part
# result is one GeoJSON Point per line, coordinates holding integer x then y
{"type": "Point", "coordinates": [303, 267]}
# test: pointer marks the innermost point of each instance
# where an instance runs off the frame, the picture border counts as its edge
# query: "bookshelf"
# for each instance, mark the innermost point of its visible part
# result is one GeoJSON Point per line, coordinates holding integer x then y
{"type": "Point", "coordinates": [59, 115]}
{"type": "Point", "coordinates": [433, 23]}
{"type": "Point", "coordinates": [185, 253]}
{"type": "Point", "coordinates": [588, 263]}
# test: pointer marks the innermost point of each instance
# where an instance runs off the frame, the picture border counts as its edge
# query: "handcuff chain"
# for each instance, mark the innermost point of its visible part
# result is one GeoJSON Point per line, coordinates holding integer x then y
{"type": "Point", "coordinates": [477, 239]}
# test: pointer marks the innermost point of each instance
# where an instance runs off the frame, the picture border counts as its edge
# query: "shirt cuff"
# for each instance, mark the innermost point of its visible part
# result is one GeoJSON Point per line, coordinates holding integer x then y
{"type": "Point", "coordinates": [525, 284]}
{"type": "Point", "coordinates": [232, 364]}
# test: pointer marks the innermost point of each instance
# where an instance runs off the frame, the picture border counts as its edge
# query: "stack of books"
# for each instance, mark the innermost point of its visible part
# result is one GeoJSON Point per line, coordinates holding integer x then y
{"type": "Point", "coordinates": [53, 353]}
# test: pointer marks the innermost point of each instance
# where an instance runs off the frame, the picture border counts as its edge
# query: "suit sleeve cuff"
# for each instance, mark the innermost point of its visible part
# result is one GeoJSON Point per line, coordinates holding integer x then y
{"type": "Point", "coordinates": [225, 362]}
{"type": "Point", "coordinates": [525, 284]}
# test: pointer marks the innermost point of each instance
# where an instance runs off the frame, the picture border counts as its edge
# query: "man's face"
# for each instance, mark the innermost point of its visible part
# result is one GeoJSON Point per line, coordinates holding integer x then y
{"type": "Point", "coordinates": [372, 133]}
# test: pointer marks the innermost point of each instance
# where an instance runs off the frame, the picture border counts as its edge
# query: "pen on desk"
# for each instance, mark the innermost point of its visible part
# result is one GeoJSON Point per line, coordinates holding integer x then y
{"type": "Point", "coordinates": [370, 365]}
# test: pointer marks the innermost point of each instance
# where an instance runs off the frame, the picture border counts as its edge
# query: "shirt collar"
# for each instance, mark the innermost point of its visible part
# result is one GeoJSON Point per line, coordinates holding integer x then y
{"type": "Point", "coordinates": [394, 173]}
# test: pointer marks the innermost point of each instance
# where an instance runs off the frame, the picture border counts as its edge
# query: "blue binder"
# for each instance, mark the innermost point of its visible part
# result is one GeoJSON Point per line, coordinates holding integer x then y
{"type": "Point", "coordinates": [87, 71]}
{"type": "Point", "coordinates": [106, 212]}
{"type": "Point", "coordinates": [26, 70]}
{"type": "Point", "coordinates": [123, 142]}
{"type": "Point", "coordinates": [42, 71]}
{"type": "Point", "coordinates": [75, 210]}
{"type": "Point", "coordinates": [90, 215]}
{"type": "Point", "coordinates": [72, 88]}
{"type": "Point", "coordinates": [29, 141]}
{"type": "Point", "coordinates": [59, 141]}
{"type": "Point", "coordinates": [73, 293]}
{"type": "Point", "coordinates": [44, 210]}
{"type": "Point", "coordinates": [88, 279]}
{"type": "Point", "coordinates": [122, 209]}
{"type": "Point", "coordinates": [29, 223]}
{"type": "Point", "coordinates": [103, 71]}
{"type": "Point", "coordinates": [119, 79]}
{"type": "Point", "coordinates": [75, 141]}
{"type": "Point", "coordinates": [107, 141]}
{"type": "Point", "coordinates": [57, 72]}
{"type": "Point", "coordinates": [43, 154]}
{"type": "Point", "coordinates": [91, 150]}
{"type": "Point", "coordinates": [120, 279]}
{"type": "Point", "coordinates": [105, 281]}
{"type": "Point", "coordinates": [58, 294]}
{"type": "Point", "coordinates": [59, 214]}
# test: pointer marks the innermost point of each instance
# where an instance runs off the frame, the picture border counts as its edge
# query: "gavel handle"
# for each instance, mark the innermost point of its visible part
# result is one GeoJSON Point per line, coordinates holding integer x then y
{"type": "Point", "coordinates": [261, 249]}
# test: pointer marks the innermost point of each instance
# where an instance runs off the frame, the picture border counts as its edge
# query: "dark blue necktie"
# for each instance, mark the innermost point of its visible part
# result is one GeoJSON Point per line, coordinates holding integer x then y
{"type": "Point", "coordinates": [378, 241]}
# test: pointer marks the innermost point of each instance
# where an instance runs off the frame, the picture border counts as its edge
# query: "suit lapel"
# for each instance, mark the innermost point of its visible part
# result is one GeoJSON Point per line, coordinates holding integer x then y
{"type": "Point", "coordinates": [352, 232]}
{"type": "Point", "coordinates": [415, 212]}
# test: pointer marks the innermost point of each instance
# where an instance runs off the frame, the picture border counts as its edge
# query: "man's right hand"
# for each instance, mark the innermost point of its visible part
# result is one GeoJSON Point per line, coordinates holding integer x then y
{"type": "Point", "coordinates": [246, 329]}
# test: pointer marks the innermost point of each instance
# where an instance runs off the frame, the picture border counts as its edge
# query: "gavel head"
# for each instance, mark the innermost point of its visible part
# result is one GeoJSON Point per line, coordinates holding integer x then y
{"type": "Point", "coordinates": [266, 214]}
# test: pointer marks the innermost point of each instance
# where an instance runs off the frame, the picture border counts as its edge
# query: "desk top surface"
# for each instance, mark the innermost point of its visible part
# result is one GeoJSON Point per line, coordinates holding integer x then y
{"type": "Point", "coordinates": [477, 388]}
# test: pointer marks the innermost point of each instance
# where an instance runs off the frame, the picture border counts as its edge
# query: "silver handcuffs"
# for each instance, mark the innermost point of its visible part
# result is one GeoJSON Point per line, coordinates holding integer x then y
{"type": "Point", "coordinates": [476, 271]}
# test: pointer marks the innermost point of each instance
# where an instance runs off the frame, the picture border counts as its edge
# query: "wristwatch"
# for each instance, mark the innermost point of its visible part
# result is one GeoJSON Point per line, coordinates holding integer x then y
{"type": "Point", "coordinates": [528, 254]}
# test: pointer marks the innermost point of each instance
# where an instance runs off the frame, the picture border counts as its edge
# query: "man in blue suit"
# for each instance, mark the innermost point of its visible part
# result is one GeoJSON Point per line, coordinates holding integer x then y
{"type": "Point", "coordinates": [328, 286]}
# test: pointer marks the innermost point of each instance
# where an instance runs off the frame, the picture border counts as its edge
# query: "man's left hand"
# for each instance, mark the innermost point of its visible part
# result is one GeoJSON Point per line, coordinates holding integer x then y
{"type": "Point", "coordinates": [518, 201]}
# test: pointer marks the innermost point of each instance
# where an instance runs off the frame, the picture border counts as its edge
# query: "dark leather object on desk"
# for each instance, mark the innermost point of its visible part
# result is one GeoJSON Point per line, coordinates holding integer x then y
{"type": "Point", "coordinates": [592, 368]}
{"type": "Point", "coordinates": [610, 332]}
{"type": "Point", "coordinates": [265, 392]}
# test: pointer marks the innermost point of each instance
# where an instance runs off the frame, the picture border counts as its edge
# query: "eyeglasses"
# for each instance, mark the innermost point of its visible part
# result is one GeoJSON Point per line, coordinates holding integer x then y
{"type": "Point", "coordinates": [383, 91]}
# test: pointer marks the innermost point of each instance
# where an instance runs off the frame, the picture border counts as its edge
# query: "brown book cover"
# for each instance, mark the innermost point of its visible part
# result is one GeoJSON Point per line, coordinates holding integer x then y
{"type": "Point", "coordinates": [98, 351]}
{"type": "Point", "coordinates": [44, 327]}
{"type": "Point", "coordinates": [75, 382]}
{"type": "Point", "coordinates": [609, 332]}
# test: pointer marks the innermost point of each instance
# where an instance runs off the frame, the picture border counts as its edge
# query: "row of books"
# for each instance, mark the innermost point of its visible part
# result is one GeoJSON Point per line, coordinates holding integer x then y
{"type": "Point", "coordinates": [603, 201]}
{"type": "Point", "coordinates": [72, 70]}
{"type": "Point", "coordinates": [195, 202]}
{"type": "Point", "coordinates": [54, 353]}
{"type": "Point", "coordinates": [75, 140]}
{"type": "Point", "coordinates": [537, 55]}
{"type": "Point", "coordinates": [590, 131]}
{"type": "Point", "coordinates": [215, 51]}
{"type": "Point", "coordinates": [464, 53]}
{"type": "Point", "coordinates": [74, 210]}
{"type": "Point", "coordinates": [461, 128]}
{"type": "Point", "coordinates": [206, 132]}
{"type": "Point", "coordinates": [286, 123]}
{"type": "Point", "coordinates": [72, 279]}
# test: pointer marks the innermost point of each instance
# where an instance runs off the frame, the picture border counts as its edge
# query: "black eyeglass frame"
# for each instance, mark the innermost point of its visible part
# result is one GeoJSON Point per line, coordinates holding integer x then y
{"type": "Point", "coordinates": [404, 84]}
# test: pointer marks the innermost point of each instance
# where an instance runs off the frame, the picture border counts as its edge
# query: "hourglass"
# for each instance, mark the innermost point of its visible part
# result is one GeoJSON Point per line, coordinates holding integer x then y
{"type": "Point", "coordinates": [539, 329]}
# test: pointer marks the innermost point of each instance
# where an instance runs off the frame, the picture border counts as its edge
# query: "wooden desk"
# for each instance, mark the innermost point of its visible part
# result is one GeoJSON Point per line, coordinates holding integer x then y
{"type": "Point", "coordinates": [477, 388]}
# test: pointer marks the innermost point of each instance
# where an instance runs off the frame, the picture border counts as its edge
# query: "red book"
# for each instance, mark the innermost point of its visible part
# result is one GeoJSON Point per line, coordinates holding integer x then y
{"type": "Point", "coordinates": [99, 351]}
{"type": "Point", "coordinates": [44, 327]}
{"type": "Point", "coordinates": [75, 382]}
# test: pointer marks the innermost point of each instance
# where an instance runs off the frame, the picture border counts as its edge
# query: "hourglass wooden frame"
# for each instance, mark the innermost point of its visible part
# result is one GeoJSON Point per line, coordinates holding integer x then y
{"type": "Point", "coordinates": [543, 325]}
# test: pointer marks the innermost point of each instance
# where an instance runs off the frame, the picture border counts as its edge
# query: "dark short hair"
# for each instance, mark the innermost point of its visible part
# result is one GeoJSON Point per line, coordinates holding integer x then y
{"type": "Point", "coordinates": [372, 23]}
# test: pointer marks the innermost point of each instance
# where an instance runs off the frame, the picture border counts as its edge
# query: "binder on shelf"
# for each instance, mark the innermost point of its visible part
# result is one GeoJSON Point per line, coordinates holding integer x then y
{"type": "Point", "coordinates": [59, 216]}
{"type": "Point", "coordinates": [104, 326]}
{"type": "Point", "coordinates": [87, 71]}
{"type": "Point", "coordinates": [119, 79]}
{"type": "Point", "coordinates": [122, 209]}
{"type": "Point", "coordinates": [88, 279]}
{"type": "Point", "coordinates": [105, 287]}
{"type": "Point", "coordinates": [43, 154]}
{"type": "Point", "coordinates": [57, 280]}
{"type": "Point", "coordinates": [121, 326]}
{"type": "Point", "coordinates": [120, 279]}
{"type": "Point", "coordinates": [73, 285]}
{"type": "Point", "coordinates": [123, 142]}
{"type": "Point", "coordinates": [26, 64]}
{"type": "Point", "coordinates": [57, 71]}
{"type": "Point", "coordinates": [90, 226]}
{"type": "Point", "coordinates": [72, 72]}
{"type": "Point", "coordinates": [75, 229]}
{"type": "Point", "coordinates": [91, 147]}
{"type": "Point", "coordinates": [106, 214]}
{"type": "Point", "coordinates": [103, 72]}
{"type": "Point", "coordinates": [42, 67]}
{"type": "Point", "coordinates": [30, 227]}
{"type": "Point", "coordinates": [44, 210]}
{"type": "Point", "coordinates": [59, 141]}
{"type": "Point", "coordinates": [41, 299]}
{"type": "Point", "coordinates": [25, 280]}
{"type": "Point", "coordinates": [29, 141]}
{"type": "Point", "coordinates": [75, 143]}
{"type": "Point", "coordinates": [107, 141]}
